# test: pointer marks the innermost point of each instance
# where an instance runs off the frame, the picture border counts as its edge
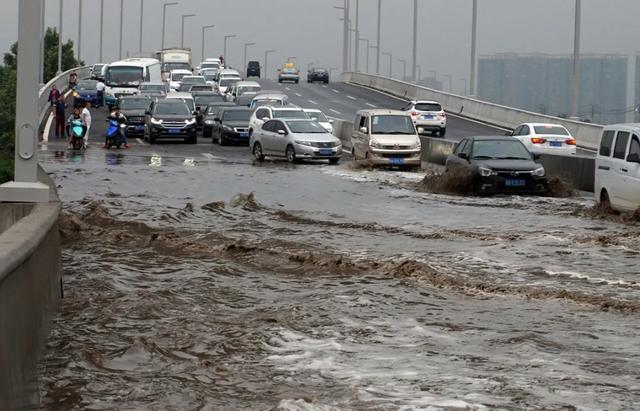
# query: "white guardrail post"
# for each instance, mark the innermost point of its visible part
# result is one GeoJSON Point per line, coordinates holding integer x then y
{"type": "Point", "coordinates": [26, 187]}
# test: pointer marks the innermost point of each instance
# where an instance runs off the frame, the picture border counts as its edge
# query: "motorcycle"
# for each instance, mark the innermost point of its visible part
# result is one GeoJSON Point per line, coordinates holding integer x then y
{"type": "Point", "coordinates": [77, 131]}
{"type": "Point", "coordinates": [115, 134]}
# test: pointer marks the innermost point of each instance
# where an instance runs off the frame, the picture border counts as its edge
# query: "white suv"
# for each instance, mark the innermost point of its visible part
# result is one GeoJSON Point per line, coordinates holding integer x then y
{"type": "Point", "coordinates": [266, 113]}
{"type": "Point", "coordinates": [546, 138]}
{"type": "Point", "coordinates": [617, 182]}
{"type": "Point", "coordinates": [428, 116]}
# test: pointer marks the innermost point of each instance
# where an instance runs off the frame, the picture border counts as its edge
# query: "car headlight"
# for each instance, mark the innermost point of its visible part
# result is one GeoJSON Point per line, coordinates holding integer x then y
{"type": "Point", "coordinates": [156, 122]}
{"type": "Point", "coordinates": [486, 172]}
{"type": "Point", "coordinates": [304, 143]}
{"type": "Point", "coordinates": [209, 122]}
{"type": "Point", "coordinates": [538, 172]}
{"type": "Point", "coordinates": [227, 128]}
{"type": "Point", "coordinates": [375, 144]}
{"type": "Point", "coordinates": [416, 144]}
{"type": "Point", "coordinates": [190, 122]}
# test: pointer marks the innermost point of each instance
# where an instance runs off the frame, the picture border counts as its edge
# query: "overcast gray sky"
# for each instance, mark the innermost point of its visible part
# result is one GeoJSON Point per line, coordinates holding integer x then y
{"type": "Point", "coordinates": [310, 30]}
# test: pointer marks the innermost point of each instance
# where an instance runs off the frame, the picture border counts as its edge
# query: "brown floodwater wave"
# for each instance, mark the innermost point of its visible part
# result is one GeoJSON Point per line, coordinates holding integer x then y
{"type": "Point", "coordinates": [293, 258]}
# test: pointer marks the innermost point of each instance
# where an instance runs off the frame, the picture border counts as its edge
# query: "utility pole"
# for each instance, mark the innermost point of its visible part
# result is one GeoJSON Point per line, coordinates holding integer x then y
{"type": "Point", "coordinates": [60, 23]}
{"type": "Point", "coordinates": [356, 64]}
{"type": "Point", "coordinates": [184, 16]}
{"type": "Point", "coordinates": [450, 77]}
{"type": "Point", "coordinates": [246, 45]}
{"type": "Point", "coordinates": [379, 37]}
{"type": "Point", "coordinates": [575, 81]}
{"type": "Point", "coordinates": [25, 187]}
{"type": "Point", "coordinates": [404, 69]}
{"type": "Point", "coordinates": [224, 54]}
{"type": "Point", "coordinates": [164, 19]}
{"type": "Point", "coordinates": [121, 28]}
{"type": "Point", "coordinates": [367, 54]}
{"type": "Point", "coordinates": [101, 30]}
{"type": "Point", "coordinates": [390, 64]}
{"type": "Point", "coordinates": [266, 62]}
{"type": "Point", "coordinates": [345, 35]}
{"type": "Point", "coordinates": [203, 39]}
{"type": "Point", "coordinates": [41, 64]}
{"type": "Point", "coordinates": [414, 65]}
{"type": "Point", "coordinates": [80, 30]}
{"type": "Point", "coordinates": [141, 25]}
{"type": "Point", "coordinates": [474, 47]}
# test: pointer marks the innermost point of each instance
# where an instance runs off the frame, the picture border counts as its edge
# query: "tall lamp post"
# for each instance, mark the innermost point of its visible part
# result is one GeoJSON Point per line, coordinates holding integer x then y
{"type": "Point", "coordinates": [60, 23]}
{"type": "Point", "coordinates": [164, 19]}
{"type": "Point", "coordinates": [184, 17]}
{"type": "Point", "coordinates": [366, 41]}
{"type": "Point", "coordinates": [226, 38]}
{"type": "Point", "coordinates": [356, 67]}
{"type": "Point", "coordinates": [246, 45]}
{"type": "Point", "coordinates": [450, 77]}
{"type": "Point", "coordinates": [205, 28]}
{"type": "Point", "coordinates": [345, 35]}
{"type": "Point", "coordinates": [390, 63]}
{"type": "Point", "coordinates": [121, 29]}
{"type": "Point", "coordinates": [141, 25]}
{"type": "Point", "coordinates": [379, 37]}
{"type": "Point", "coordinates": [575, 80]}
{"type": "Point", "coordinates": [404, 68]}
{"type": "Point", "coordinates": [101, 30]}
{"type": "Point", "coordinates": [266, 62]}
{"type": "Point", "coordinates": [80, 30]}
{"type": "Point", "coordinates": [474, 47]}
{"type": "Point", "coordinates": [414, 65]}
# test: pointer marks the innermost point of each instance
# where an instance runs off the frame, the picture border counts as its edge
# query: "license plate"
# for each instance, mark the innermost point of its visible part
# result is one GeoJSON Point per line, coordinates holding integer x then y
{"type": "Point", "coordinates": [326, 152]}
{"type": "Point", "coordinates": [174, 131]}
{"type": "Point", "coordinates": [139, 128]}
{"type": "Point", "coordinates": [555, 143]}
{"type": "Point", "coordinates": [427, 117]}
{"type": "Point", "coordinates": [396, 161]}
{"type": "Point", "coordinates": [515, 183]}
{"type": "Point", "coordinates": [244, 134]}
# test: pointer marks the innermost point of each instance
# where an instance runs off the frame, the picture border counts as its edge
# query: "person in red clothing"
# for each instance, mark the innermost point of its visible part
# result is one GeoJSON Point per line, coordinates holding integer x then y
{"type": "Point", "coordinates": [54, 95]}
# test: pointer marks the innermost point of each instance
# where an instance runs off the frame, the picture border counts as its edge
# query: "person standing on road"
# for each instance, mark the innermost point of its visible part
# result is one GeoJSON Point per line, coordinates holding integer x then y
{"type": "Point", "coordinates": [86, 120]}
{"type": "Point", "coordinates": [60, 111]}
{"type": "Point", "coordinates": [54, 95]}
{"type": "Point", "coordinates": [100, 87]}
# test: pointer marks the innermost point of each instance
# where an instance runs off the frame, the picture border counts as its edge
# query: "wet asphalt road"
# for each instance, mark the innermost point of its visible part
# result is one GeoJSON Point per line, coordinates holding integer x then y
{"type": "Point", "coordinates": [198, 279]}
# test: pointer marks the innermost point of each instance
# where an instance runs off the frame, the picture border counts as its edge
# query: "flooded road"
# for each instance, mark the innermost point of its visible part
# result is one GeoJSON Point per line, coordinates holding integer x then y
{"type": "Point", "coordinates": [197, 280]}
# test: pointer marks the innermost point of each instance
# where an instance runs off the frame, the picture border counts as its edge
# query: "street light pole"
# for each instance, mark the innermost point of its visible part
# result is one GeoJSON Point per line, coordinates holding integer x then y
{"type": "Point", "coordinates": [345, 35]}
{"type": "Point", "coordinates": [60, 23]}
{"type": "Point", "coordinates": [266, 62]}
{"type": "Point", "coordinates": [450, 77]}
{"type": "Point", "coordinates": [575, 81]}
{"type": "Point", "coordinates": [204, 28]}
{"type": "Point", "coordinates": [356, 65]}
{"type": "Point", "coordinates": [390, 64]}
{"type": "Point", "coordinates": [474, 48]}
{"type": "Point", "coordinates": [41, 28]}
{"type": "Point", "coordinates": [414, 65]}
{"type": "Point", "coordinates": [464, 81]}
{"type": "Point", "coordinates": [164, 20]}
{"type": "Point", "coordinates": [80, 30]}
{"type": "Point", "coordinates": [101, 30]}
{"type": "Point", "coordinates": [184, 17]}
{"type": "Point", "coordinates": [246, 45]}
{"type": "Point", "coordinates": [379, 37]}
{"type": "Point", "coordinates": [224, 54]}
{"type": "Point", "coordinates": [368, 46]}
{"type": "Point", "coordinates": [141, 24]}
{"type": "Point", "coordinates": [404, 68]}
{"type": "Point", "coordinates": [419, 68]}
{"type": "Point", "coordinates": [121, 28]}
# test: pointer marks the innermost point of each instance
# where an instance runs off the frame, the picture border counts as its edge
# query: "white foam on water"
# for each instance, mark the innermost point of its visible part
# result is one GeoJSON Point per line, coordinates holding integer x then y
{"type": "Point", "coordinates": [593, 280]}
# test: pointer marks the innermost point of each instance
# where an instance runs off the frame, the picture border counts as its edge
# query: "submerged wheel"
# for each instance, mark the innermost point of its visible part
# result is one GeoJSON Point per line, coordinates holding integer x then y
{"type": "Point", "coordinates": [257, 152]}
{"type": "Point", "coordinates": [290, 153]}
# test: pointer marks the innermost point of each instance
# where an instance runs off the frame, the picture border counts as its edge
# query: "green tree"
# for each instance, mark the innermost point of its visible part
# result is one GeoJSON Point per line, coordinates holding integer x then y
{"type": "Point", "coordinates": [51, 55]}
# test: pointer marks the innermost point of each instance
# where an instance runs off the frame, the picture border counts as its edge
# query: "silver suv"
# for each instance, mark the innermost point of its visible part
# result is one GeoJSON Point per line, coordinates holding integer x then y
{"type": "Point", "coordinates": [428, 116]}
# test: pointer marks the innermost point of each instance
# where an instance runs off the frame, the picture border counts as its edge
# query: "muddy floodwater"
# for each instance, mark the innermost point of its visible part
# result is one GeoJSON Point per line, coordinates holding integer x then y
{"type": "Point", "coordinates": [193, 283]}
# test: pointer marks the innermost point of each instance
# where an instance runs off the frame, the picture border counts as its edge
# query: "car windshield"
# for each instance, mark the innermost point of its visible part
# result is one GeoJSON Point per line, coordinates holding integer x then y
{"type": "Point", "coordinates": [289, 114]}
{"type": "Point", "coordinates": [97, 69]}
{"type": "Point", "coordinates": [237, 115]}
{"type": "Point", "coordinates": [290, 71]}
{"type": "Point", "coordinates": [226, 82]}
{"type": "Point", "coordinates": [172, 109]}
{"type": "Point", "coordinates": [210, 77]}
{"type": "Point", "coordinates": [307, 127]}
{"type": "Point", "coordinates": [178, 76]}
{"type": "Point", "coordinates": [208, 99]}
{"type": "Point", "coordinates": [270, 102]}
{"type": "Point", "coordinates": [392, 124]}
{"type": "Point", "coordinates": [124, 76]}
{"type": "Point", "coordinates": [248, 89]}
{"type": "Point", "coordinates": [201, 87]}
{"type": "Point", "coordinates": [193, 80]}
{"type": "Point", "coordinates": [175, 66]}
{"type": "Point", "coordinates": [428, 107]}
{"type": "Point", "coordinates": [134, 103]}
{"type": "Point", "coordinates": [551, 130]}
{"type": "Point", "coordinates": [204, 66]}
{"type": "Point", "coordinates": [86, 85]}
{"type": "Point", "coordinates": [500, 149]}
{"type": "Point", "coordinates": [318, 116]}
{"type": "Point", "coordinates": [152, 87]}
{"type": "Point", "coordinates": [319, 71]}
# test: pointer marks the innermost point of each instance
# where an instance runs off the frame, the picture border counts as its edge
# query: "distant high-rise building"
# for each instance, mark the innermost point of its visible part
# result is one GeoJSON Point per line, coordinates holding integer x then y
{"type": "Point", "coordinates": [542, 83]}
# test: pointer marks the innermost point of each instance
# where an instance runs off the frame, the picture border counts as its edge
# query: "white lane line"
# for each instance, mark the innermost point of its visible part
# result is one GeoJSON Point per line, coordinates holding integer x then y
{"type": "Point", "coordinates": [47, 129]}
{"type": "Point", "coordinates": [298, 94]}
{"type": "Point", "coordinates": [352, 98]}
{"type": "Point", "coordinates": [335, 111]}
{"type": "Point", "coordinates": [323, 86]}
{"type": "Point", "coordinates": [335, 91]}
{"type": "Point", "coordinates": [141, 142]}
{"type": "Point", "coordinates": [371, 105]}
{"type": "Point", "coordinates": [313, 102]}
{"type": "Point", "coordinates": [287, 88]}
{"type": "Point", "coordinates": [211, 157]}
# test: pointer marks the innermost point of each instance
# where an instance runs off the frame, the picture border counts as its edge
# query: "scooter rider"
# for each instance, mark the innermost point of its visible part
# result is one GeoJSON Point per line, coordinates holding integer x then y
{"type": "Point", "coordinates": [76, 116]}
{"type": "Point", "coordinates": [121, 119]}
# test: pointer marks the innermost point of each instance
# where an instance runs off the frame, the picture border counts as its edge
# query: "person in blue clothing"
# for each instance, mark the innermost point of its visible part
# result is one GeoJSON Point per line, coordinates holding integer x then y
{"type": "Point", "coordinates": [60, 111]}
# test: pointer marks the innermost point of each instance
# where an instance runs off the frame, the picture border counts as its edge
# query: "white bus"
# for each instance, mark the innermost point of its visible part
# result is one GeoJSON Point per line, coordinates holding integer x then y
{"type": "Point", "coordinates": [123, 78]}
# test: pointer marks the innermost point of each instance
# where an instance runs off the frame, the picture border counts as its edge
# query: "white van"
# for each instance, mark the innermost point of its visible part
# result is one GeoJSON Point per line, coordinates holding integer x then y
{"type": "Point", "coordinates": [617, 182]}
{"type": "Point", "coordinates": [123, 78]}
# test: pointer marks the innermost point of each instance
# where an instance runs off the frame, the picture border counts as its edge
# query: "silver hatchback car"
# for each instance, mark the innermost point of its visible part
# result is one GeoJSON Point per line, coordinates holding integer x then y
{"type": "Point", "coordinates": [296, 140]}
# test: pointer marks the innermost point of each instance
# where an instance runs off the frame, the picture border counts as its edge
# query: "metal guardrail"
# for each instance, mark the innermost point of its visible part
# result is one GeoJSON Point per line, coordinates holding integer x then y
{"type": "Point", "coordinates": [587, 135]}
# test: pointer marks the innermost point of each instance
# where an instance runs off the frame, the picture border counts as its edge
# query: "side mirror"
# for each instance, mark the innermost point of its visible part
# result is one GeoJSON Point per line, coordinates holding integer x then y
{"type": "Point", "coordinates": [265, 119]}
{"type": "Point", "coordinates": [633, 158]}
{"type": "Point", "coordinates": [198, 108]}
{"type": "Point", "coordinates": [463, 156]}
{"type": "Point", "coordinates": [509, 133]}
{"type": "Point", "coordinates": [538, 156]}
{"type": "Point", "coordinates": [217, 120]}
{"type": "Point", "coordinates": [282, 132]}
{"type": "Point", "coordinates": [331, 121]}
{"type": "Point", "coordinates": [364, 130]}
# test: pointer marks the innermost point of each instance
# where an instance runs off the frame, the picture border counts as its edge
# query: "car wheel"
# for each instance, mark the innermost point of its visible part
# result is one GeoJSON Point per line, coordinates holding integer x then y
{"type": "Point", "coordinates": [334, 161]}
{"type": "Point", "coordinates": [290, 153]}
{"type": "Point", "coordinates": [257, 152]}
{"type": "Point", "coordinates": [222, 140]}
{"type": "Point", "coordinates": [605, 201]}
{"type": "Point", "coordinates": [443, 132]}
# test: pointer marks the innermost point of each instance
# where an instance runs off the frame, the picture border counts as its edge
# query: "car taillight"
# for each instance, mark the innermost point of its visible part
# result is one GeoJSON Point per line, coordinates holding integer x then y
{"type": "Point", "coordinates": [570, 141]}
{"type": "Point", "coordinates": [414, 113]}
{"type": "Point", "coordinates": [443, 115]}
{"type": "Point", "coordinates": [537, 140]}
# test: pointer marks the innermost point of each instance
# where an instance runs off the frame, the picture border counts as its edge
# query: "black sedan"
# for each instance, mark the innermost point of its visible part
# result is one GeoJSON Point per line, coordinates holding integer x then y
{"type": "Point", "coordinates": [202, 100]}
{"type": "Point", "coordinates": [253, 69]}
{"type": "Point", "coordinates": [170, 119]}
{"type": "Point", "coordinates": [318, 74]}
{"type": "Point", "coordinates": [209, 116]}
{"type": "Point", "coordinates": [498, 165]}
{"type": "Point", "coordinates": [134, 109]}
{"type": "Point", "coordinates": [232, 125]}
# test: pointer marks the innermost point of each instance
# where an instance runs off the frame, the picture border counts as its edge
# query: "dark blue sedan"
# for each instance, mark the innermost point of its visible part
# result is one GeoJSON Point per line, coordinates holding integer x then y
{"type": "Point", "coordinates": [87, 90]}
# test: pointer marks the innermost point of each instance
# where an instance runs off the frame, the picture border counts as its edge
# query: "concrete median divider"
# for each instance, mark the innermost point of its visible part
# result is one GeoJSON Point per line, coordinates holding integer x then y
{"type": "Point", "coordinates": [587, 135]}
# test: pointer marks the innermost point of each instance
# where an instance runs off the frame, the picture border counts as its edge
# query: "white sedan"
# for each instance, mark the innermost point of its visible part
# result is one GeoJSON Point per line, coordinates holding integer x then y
{"type": "Point", "coordinates": [542, 138]}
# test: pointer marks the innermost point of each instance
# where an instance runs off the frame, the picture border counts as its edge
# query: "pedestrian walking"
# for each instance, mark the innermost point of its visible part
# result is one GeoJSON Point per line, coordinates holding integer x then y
{"type": "Point", "coordinates": [60, 111]}
{"type": "Point", "coordinates": [86, 120]}
{"type": "Point", "coordinates": [100, 87]}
